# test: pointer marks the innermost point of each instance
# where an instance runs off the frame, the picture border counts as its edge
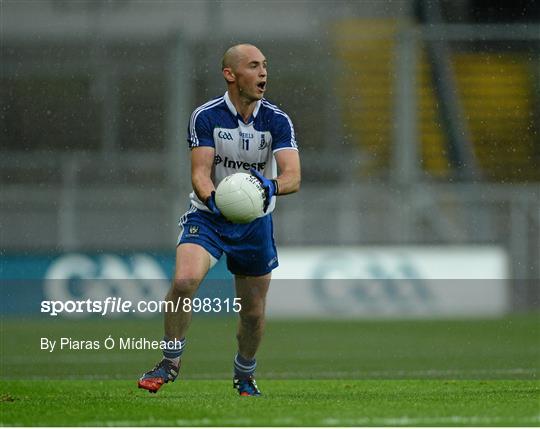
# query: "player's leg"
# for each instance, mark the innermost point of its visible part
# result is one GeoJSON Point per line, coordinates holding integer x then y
{"type": "Point", "coordinates": [252, 291]}
{"type": "Point", "coordinates": [192, 264]}
{"type": "Point", "coordinates": [251, 258]}
{"type": "Point", "coordinates": [199, 247]}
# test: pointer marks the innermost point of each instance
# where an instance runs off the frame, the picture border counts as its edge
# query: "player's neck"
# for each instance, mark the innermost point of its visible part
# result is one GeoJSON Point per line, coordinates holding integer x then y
{"type": "Point", "coordinates": [243, 106]}
{"type": "Point", "coordinates": [246, 110]}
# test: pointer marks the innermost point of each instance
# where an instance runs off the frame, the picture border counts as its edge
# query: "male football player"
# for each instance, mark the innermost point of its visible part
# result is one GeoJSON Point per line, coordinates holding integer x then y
{"type": "Point", "coordinates": [238, 132]}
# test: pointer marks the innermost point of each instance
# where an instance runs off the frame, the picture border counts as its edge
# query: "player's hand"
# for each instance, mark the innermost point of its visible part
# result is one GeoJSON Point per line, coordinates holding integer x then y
{"type": "Point", "coordinates": [269, 185]}
{"type": "Point", "coordinates": [211, 204]}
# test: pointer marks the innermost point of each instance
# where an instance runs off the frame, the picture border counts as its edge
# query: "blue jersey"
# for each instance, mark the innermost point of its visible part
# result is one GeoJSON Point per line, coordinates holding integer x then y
{"type": "Point", "coordinates": [240, 146]}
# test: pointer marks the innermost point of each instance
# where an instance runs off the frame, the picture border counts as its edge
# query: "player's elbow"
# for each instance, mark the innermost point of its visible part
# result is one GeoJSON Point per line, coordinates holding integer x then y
{"type": "Point", "coordinates": [298, 182]}
{"type": "Point", "coordinates": [295, 183]}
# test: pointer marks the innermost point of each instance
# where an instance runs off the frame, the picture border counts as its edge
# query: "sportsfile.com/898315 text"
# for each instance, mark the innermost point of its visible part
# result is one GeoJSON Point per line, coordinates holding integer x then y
{"type": "Point", "coordinates": [118, 305]}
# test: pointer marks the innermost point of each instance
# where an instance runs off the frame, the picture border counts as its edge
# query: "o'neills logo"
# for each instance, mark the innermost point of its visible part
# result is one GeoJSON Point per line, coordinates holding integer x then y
{"type": "Point", "coordinates": [239, 165]}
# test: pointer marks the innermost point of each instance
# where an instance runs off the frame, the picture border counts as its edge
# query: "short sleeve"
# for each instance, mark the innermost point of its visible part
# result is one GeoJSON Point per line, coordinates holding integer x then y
{"type": "Point", "coordinates": [283, 132]}
{"type": "Point", "coordinates": [200, 132]}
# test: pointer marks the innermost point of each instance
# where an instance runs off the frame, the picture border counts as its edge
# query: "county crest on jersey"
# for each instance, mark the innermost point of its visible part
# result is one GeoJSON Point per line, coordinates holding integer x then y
{"type": "Point", "coordinates": [240, 146]}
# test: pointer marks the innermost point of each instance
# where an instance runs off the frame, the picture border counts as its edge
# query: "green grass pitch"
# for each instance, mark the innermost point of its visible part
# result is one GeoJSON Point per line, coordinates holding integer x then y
{"type": "Point", "coordinates": [312, 373]}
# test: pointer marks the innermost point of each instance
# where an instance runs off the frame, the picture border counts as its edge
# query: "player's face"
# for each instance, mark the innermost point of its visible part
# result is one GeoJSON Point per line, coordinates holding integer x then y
{"type": "Point", "coordinates": [251, 74]}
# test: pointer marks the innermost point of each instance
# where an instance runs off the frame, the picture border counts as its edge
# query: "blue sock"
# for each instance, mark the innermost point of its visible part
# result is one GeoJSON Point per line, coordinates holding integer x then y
{"type": "Point", "coordinates": [174, 350]}
{"type": "Point", "coordinates": [244, 368]}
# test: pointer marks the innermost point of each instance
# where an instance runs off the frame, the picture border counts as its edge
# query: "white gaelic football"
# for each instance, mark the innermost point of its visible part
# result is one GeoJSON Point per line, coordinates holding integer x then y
{"type": "Point", "coordinates": [240, 198]}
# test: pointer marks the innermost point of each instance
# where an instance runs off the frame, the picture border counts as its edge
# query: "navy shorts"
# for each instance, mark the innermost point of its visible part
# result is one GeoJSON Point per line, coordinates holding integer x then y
{"type": "Point", "coordinates": [250, 248]}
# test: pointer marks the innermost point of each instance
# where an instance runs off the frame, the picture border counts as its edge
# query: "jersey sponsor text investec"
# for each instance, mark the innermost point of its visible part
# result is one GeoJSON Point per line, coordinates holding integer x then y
{"type": "Point", "coordinates": [233, 163]}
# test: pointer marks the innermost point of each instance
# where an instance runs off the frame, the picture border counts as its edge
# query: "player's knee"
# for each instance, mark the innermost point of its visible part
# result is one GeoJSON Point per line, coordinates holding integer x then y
{"type": "Point", "coordinates": [252, 316]}
{"type": "Point", "coordinates": [184, 287]}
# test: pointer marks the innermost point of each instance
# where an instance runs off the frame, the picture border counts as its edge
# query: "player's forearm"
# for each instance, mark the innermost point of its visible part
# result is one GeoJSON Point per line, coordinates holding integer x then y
{"type": "Point", "coordinates": [202, 161]}
{"type": "Point", "coordinates": [202, 185]}
{"type": "Point", "coordinates": [288, 182]}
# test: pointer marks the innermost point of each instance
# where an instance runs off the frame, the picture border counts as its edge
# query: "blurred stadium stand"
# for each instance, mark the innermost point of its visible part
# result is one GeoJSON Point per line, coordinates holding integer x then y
{"type": "Point", "coordinates": [96, 95]}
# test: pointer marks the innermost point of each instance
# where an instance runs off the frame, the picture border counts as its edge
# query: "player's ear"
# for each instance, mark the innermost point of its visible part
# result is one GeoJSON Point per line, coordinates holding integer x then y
{"type": "Point", "coordinates": [229, 75]}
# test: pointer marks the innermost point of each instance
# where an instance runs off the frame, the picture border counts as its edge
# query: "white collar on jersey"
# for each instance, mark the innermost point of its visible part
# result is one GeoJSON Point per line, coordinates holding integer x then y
{"type": "Point", "coordinates": [231, 107]}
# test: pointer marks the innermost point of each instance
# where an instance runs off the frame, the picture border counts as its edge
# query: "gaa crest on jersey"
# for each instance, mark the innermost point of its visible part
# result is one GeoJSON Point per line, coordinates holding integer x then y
{"type": "Point", "coordinates": [193, 229]}
{"type": "Point", "coordinates": [225, 135]}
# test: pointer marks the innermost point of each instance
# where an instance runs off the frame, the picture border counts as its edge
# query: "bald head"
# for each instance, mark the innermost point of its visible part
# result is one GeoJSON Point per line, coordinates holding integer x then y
{"type": "Point", "coordinates": [234, 54]}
